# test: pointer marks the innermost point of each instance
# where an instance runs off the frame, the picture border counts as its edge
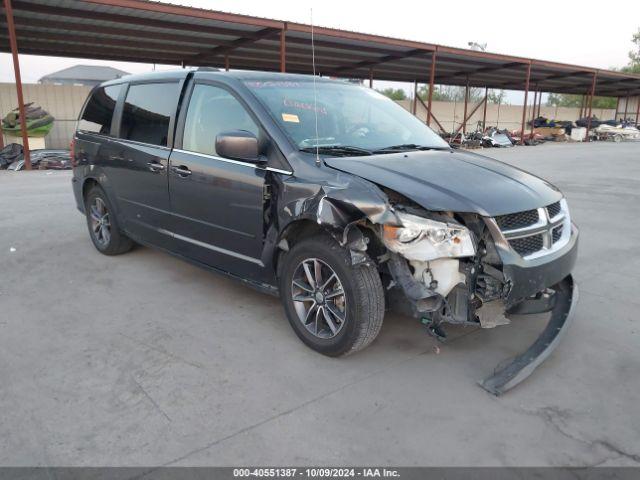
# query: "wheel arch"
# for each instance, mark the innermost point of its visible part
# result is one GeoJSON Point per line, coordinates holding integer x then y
{"type": "Point", "coordinates": [101, 181]}
{"type": "Point", "coordinates": [87, 185]}
{"type": "Point", "coordinates": [292, 233]}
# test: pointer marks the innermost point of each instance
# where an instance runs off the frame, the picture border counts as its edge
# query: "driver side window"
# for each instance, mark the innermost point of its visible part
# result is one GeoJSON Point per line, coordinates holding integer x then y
{"type": "Point", "coordinates": [213, 110]}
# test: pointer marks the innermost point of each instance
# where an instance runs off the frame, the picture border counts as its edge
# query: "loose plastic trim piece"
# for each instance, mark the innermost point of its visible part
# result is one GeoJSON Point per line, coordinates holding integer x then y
{"type": "Point", "coordinates": [525, 363]}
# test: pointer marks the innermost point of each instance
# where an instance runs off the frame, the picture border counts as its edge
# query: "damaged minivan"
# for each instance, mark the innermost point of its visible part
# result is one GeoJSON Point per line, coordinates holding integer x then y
{"type": "Point", "coordinates": [329, 195]}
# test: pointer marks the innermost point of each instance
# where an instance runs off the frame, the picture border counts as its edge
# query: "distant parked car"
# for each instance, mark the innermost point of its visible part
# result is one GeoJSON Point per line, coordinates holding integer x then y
{"type": "Point", "coordinates": [46, 159]}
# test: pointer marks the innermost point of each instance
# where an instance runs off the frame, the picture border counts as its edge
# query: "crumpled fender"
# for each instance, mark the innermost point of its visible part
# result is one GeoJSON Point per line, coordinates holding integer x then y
{"type": "Point", "coordinates": [336, 204]}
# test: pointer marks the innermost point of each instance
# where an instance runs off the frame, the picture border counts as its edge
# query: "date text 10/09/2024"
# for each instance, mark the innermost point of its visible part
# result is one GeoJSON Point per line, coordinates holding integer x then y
{"type": "Point", "coordinates": [316, 472]}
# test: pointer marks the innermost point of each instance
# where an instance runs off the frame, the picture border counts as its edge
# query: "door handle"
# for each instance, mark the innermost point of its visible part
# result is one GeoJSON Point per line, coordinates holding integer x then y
{"type": "Point", "coordinates": [182, 170]}
{"type": "Point", "coordinates": [116, 158]}
{"type": "Point", "coordinates": [155, 167]}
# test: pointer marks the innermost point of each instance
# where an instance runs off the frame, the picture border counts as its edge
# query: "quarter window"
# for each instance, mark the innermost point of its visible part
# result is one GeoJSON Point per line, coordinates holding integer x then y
{"type": "Point", "coordinates": [213, 110]}
{"type": "Point", "coordinates": [147, 112]}
{"type": "Point", "coordinates": [98, 113]}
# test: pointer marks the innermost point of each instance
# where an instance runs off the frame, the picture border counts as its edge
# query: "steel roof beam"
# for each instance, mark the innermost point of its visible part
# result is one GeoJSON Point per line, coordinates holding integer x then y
{"type": "Point", "coordinates": [111, 42]}
{"type": "Point", "coordinates": [185, 11]}
{"type": "Point", "coordinates": [381, 60]}
{"type": "Point", "coordinates": [121, 19]}
{"type": "Point", "coordinates": [471, 73]}
{"type": "Point", "coordinates": [231, 46]}
{"type": "Point", "coordinates": [37, 25]}
{"type": "Point", "coordinates": [23, 24]}
{"type": "Point", "coordinates": [338, 46]}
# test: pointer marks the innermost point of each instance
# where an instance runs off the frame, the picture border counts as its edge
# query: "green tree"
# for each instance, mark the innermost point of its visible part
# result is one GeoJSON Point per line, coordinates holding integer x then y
{"type": "Point", "coordinates": [563, 100]}
{"type": "Point", "coordinates": [497, 97]}
{"type": "Point", "coordinates": [394, 93]}
{"type": "Point", "coordinates": [634, 55]}
{"type": "Point", "coordinates": [575, 101]}
{"type": "Point", "coordinates": [449, 93]}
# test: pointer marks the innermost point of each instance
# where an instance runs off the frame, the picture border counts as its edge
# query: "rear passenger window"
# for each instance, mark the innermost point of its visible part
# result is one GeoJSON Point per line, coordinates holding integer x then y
{"type": "Point", "coordinates": [213, 110]}
{"type": "Point", "coordinates": [147, 111]}
{"type": "Point", "coordinates": [98, 113]}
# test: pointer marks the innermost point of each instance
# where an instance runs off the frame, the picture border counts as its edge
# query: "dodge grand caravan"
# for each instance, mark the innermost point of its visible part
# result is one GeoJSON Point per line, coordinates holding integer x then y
{"type": "Point", "coordinates": [329, 195]}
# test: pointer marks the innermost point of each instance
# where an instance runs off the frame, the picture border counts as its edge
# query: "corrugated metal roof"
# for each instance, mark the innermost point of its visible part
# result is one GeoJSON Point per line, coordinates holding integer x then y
{"type": "Point", "coordinates": [153, 32]}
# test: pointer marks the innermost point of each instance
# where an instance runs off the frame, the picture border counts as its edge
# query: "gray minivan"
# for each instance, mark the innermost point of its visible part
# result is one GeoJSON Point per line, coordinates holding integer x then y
{"type": "Point", "coordinates": [329, 195]}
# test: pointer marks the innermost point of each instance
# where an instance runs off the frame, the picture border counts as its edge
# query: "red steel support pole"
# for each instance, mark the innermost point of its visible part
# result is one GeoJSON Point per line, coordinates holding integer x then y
{"type": "Point", "coordinates": [475, 109]}
{"type": "Point", "coordinates": [539, 104]}
{"type": "Point", "coordinates": [626, 107]}
{"type": "Point", "coordinates": [435, 119]}
{"type": "Point", "coordinates": [432, 78]}
{"type": "Point", "coordinates": [283, 49]}
{"type": "Point", "coordinates": [226, 62]}
{"type": "Point", "coordinates": [637, 111]}
{"type": "Point", "coordinates": [484, 109]}
{"type": "Point", "coordinates": [371, 78]}
{"type": "Point", "coordinates": [466, 100]}
{"type": "Point", "coordinates": [593, 91]}
{"type": "Point", "coordinates": [524, 107]}
{"type": "Point", "coordinates": [1, 137]}
{"type": "Point", "coordinates": [533, 111]}
{"type": "Point", "coordinates": [414, 107]}
{"type": "Point", "coordinates": [615, 117]}
{"type": "Point", "coordinates": [16, 69]}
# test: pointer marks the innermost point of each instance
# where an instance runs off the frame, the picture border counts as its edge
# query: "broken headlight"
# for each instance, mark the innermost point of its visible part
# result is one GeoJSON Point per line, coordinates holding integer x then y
{"type": "Point", "coordinates": [425, 239]}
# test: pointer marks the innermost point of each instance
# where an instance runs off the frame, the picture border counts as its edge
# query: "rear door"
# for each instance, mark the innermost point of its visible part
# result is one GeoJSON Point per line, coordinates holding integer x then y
{"type": "Point", "coordinates": [140, 158]}
{"type": "Point", "coordinates": [94, 141]}
{"type": "Point", "coordinates": [217, 203]}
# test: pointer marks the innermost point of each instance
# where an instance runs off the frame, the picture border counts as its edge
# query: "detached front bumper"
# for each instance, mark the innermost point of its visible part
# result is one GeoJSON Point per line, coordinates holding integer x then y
{"type": "Point", "coordinates": [526, 279]}
{"type": "Point", "coordinates": [565, 299]}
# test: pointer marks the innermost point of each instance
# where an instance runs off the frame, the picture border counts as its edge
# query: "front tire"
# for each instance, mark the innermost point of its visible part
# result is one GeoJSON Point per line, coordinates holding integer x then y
{"type": "Point", "coordinates": [334, 307]}
{"type": "Point", "coordinates": [104, 229]}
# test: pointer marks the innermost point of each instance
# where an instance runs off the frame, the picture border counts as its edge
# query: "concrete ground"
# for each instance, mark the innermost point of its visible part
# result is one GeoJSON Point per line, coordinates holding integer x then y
{"type": "Point", "coordinates": [143, 359]}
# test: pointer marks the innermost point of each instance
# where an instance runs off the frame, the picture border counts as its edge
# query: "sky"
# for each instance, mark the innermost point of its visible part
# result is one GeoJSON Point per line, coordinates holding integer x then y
{"type": "Point", "coordinates": [577, 33]}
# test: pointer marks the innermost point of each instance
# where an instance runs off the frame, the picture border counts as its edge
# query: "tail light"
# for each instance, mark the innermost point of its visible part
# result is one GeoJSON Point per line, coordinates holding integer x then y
{"type": "Point", "coordinates": [72, 152]}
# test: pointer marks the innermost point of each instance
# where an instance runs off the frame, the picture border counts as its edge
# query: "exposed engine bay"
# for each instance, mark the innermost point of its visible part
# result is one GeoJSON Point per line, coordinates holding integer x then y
{"type": "Point", "coordinates": [456, 270]}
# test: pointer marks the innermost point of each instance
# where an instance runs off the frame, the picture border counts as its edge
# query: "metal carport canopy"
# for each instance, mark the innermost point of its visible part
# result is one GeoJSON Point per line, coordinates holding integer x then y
{"type": "Point", "coordinates": [151, 32]}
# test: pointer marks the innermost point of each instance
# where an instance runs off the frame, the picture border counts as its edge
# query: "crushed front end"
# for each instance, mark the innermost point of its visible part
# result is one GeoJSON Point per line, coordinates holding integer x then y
{"type": "Point", "coordinates": [469, 269]}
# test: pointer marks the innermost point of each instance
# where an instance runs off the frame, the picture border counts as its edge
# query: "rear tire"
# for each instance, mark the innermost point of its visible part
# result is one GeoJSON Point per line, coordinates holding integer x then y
{"type": "Point", "coordinates": [354, 318]}
{"type": "Point", "coordinates": [104, 229]}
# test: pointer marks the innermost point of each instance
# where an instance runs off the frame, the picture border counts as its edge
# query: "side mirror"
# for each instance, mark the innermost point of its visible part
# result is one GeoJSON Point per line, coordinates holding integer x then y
{"type": "Point", "coordinates": [238, 145]}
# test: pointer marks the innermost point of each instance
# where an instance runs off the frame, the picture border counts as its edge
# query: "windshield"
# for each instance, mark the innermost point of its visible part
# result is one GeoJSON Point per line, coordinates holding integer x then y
{"type": "Point", "coordinates": [351, 119]}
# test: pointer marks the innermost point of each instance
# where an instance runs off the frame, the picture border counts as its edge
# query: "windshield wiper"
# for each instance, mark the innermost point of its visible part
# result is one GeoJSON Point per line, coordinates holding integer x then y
{"type": "Point", "coordinates": [343, 150]}
{"type": "Point", "coordinates": [407, 146]}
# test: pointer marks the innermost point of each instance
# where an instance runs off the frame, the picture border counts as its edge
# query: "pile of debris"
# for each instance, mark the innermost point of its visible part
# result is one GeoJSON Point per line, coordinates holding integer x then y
{"type": "Point", "coordinates": [542, 129]}
{"type": "Point", "coordinates": [12, 158]}
{"type": "Point", "coordinates": [491, 137]}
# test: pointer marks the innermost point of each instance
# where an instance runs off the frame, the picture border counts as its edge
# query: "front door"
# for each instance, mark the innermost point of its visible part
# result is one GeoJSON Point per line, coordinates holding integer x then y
{"type": "Point", "coordinates": [217, 203]}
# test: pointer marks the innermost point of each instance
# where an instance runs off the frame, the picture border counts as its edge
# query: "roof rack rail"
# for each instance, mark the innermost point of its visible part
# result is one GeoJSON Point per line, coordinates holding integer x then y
{"type": "Point", "coordinates": [207, 69]}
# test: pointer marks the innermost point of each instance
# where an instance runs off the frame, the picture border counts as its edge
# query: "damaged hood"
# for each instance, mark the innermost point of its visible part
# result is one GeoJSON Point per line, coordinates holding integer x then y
{"type": "Point", "coordinates": [453, 181]}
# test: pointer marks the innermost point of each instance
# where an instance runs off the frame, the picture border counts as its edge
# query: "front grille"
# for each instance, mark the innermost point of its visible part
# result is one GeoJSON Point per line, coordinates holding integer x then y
{"type": "Point", "coordinates": [553, 209]}
{"type": "Point", "coordinates": [557, 233]}
{"type": "Point", "coordinates": [527, 245]}
{"type": "Point", "coordinates": [517, 220]}
{"type": "Point", "coordinates": [538, 232]}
